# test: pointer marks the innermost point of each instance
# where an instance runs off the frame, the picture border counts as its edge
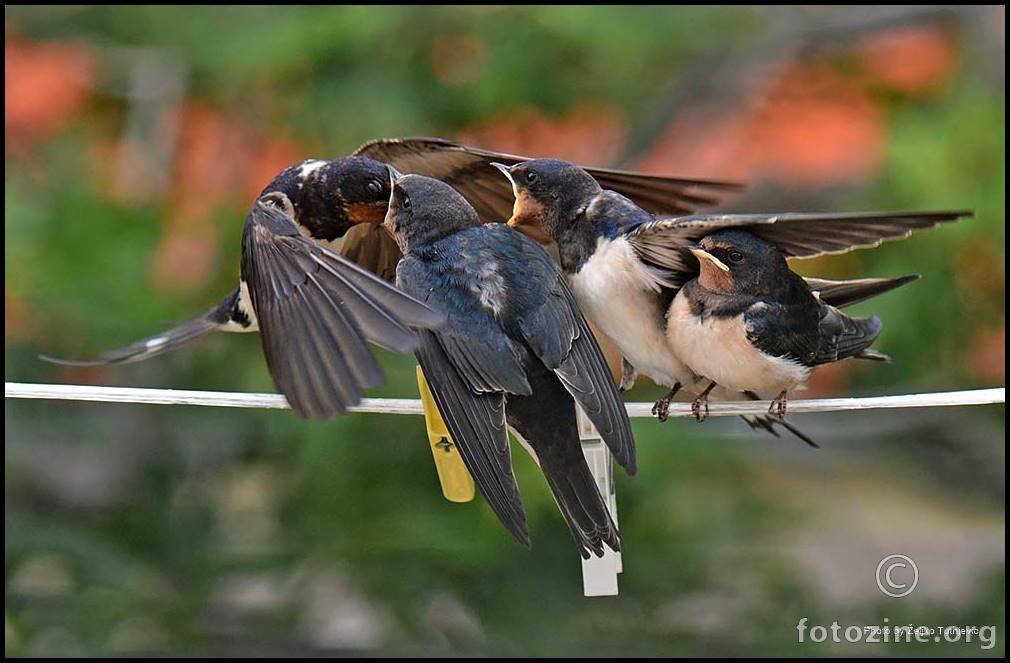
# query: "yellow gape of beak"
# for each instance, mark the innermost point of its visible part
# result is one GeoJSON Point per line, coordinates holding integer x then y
{"type": "Point", "coordinates": [702, 254]}
{"type": "Point", "coordinates": [513, 221]}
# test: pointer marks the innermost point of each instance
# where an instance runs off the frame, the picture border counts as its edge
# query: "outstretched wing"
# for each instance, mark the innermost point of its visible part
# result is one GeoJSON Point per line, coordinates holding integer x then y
{"type": "Point", "coordinates": [316, 310]}
{"type": "Point", "coordinates": [468, 170]}
{"type": "Point", "coordinates": [664, 241]}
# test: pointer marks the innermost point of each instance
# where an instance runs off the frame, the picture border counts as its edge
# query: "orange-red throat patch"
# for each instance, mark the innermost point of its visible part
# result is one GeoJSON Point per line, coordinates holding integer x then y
{"type": "Point", "coordinates": [366, 212]}
{"type": "Point", "coordinates": [526, 215]}
{"type": "Point", "coordinates": [715, 274]}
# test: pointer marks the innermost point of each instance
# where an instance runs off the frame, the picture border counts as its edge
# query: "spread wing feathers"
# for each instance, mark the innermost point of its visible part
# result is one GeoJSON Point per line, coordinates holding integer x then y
{"type": "Point", "coordinates": [664, 241]}
{"type": "Point", "coordinates": [315, 312]}
{"type": "Point", "coordinates": [476, 422]}
{"type": "Point", "coordinates": [163, 342]}
{"type": "Point", "coordinates": [559, 336]}
{"type": "Point", "coordinates": [468, 171]}
{"type": "Point", "coordinates": [845, 293]}
{"type": "Point", "coordinates": [842, 336]}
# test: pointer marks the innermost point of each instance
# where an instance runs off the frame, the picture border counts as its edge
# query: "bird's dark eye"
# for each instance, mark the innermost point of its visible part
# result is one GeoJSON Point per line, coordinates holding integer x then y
{"type": "Point", "coordinates": [405, 202]}
{"type": "Point", "coordinates": [374, 186]}
{"type": "Point", "coordinates": [735, 256]}
{"type": "Point", "coordinates": [531, 176]}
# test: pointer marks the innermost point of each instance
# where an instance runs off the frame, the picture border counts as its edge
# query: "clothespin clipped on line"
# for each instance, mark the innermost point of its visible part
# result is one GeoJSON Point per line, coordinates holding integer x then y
{"type": "Point", "coordinates": [599, 575]}
{"type": "Point", "coordinates": [457, 484]}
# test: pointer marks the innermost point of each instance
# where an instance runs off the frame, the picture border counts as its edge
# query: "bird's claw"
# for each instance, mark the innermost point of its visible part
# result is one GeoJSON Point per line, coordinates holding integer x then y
{"type": "Point", "coordinates": [661, 408]}
{"type": "Point", "coordinates": [699, 408]}
{"type": "Point", "coordinates": [777, 408]}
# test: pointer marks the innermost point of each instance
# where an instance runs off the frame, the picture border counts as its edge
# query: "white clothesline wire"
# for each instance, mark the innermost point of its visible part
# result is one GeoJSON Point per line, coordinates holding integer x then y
{"type": "Point", "coordinates": [71, 392]}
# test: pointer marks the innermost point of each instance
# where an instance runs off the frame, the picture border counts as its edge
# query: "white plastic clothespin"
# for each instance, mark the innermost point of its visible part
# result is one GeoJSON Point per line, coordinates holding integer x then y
{"type": "Point", "coordinates": [599, 574]}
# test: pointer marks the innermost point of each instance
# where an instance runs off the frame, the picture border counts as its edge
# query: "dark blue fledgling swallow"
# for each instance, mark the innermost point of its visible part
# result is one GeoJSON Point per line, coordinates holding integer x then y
{"type": "Point", "coordinates": [516, 351]}
{"type": "Point", "coordinates": [750, 324]}
{"type": "Point", "coordinates": [314, 309]}
{"type": "Point", "coordinates": [625, 265]}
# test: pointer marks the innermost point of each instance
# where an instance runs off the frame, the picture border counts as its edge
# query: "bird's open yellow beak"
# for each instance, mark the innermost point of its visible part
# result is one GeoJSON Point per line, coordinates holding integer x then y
{"type": "Point", "coordinates": [702, 254]}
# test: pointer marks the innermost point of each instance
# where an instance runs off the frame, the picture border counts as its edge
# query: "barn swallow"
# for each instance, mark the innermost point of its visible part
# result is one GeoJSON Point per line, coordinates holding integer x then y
{"type": "Point", "coordinates": [625, 264]}
{"type": "Point", "coordinates": [516, 351]}
{"type": "Point", "coordinates": [750, 324]}
{"type": "Point", "coordinates": [314, 309]}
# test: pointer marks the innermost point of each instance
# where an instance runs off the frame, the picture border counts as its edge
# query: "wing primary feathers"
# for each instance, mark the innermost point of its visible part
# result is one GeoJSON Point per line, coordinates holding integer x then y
{"type": "Point", "coordinates": [316, 311]}
{"type": "Point", "coordinates": [468, 170]}
{"type": "Point", "coordinates": [664, 241]}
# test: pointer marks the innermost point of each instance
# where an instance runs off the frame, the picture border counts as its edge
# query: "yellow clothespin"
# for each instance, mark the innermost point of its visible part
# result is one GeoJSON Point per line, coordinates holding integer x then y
{"type": "Point", "coordinates": [457, 484]}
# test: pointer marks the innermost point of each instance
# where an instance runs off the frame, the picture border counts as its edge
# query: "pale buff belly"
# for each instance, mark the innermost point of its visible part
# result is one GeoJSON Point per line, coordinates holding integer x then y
{"type": "Point", "coordinates": [614, 291]}
{"type": "Point", "coordinates": [718, 349]}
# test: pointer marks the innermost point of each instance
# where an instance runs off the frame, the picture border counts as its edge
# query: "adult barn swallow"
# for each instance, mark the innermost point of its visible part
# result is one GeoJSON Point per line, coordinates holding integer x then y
{"type": "Point", "coordinates": [314, 309]}
{"type": "Point", "coordinates": [750, 324]}
{"type": "Point", "coordinates": [625, 265]}
{"type": "Point", "coordinates": [516, 350]}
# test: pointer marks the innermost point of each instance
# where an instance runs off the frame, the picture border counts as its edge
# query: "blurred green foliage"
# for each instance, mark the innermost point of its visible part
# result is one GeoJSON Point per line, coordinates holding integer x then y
{"type": "Point", "coordinates": [140, 529]}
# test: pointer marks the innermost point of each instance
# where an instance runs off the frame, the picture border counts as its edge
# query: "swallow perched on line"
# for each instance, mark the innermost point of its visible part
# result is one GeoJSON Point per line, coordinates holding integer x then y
{"type": "Point", "coordinates": [625, 264]}
{"type": "Point", "coordinates": [314, 309]}
{"type": "Point", "coordinates": [750, 324]}
{"type": "Point", "coordinates": [515, 351]}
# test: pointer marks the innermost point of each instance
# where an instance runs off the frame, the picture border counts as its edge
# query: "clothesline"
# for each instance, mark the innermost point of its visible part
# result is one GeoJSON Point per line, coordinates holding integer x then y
{"type": "Point", "coordinates": [91, 393]}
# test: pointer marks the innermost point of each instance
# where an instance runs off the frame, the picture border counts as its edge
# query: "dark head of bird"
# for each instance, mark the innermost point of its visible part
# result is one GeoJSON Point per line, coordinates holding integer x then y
{"type": "Point", "coordinates": [550, 196]}
{"type": "Point", "coordinates": [423, 210]}
{"type": "Point", "coordinates": [735, 261]}
{"type": "Point", "coordinates": [329, 197]}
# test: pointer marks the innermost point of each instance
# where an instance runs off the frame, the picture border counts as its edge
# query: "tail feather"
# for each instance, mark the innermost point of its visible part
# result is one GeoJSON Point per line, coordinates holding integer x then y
{"type": "Point", "coordinates": [581, 504]}
{"type": "Point", "coordinates": [843, 337]}
{"type": "Point", "coordinates": [767, 423]}
{"type": "Point", "coordinates": [872, 355]}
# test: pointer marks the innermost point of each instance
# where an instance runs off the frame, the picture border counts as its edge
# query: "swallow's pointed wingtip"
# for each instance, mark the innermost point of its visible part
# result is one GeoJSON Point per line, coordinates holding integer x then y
{"type": "Point", "coordinates": [80, 363]}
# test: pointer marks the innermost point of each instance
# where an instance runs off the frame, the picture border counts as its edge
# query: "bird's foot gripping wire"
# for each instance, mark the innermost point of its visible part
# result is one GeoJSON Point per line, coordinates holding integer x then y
{"type": "Point", "coordinates": [699, 407]}
{"type": "Point", "coordinates": [661, 408]}
{"type": "Point", "coordinates": [777, 408]}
